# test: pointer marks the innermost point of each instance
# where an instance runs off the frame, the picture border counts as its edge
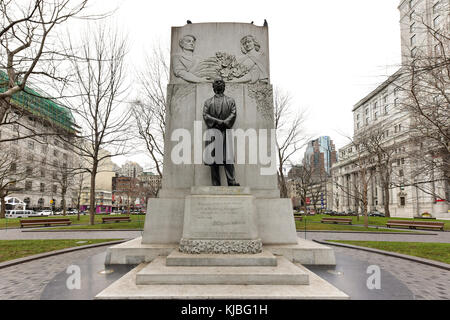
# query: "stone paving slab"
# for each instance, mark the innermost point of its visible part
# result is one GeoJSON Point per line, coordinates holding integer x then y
{"type": "Point", "coordinates": [27, 281]}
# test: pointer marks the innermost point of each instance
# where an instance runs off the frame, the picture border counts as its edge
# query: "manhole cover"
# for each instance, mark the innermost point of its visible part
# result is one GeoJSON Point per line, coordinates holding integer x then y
{"type": "Point", "coordinates": [335, 272]}
{"type": "Point", "coordinates": [106, 271]}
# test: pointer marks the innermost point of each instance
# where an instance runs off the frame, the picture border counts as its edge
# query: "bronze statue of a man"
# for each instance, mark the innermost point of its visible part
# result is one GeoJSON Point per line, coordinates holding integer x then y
{"type": "Point", "coordinates": [219, 113]}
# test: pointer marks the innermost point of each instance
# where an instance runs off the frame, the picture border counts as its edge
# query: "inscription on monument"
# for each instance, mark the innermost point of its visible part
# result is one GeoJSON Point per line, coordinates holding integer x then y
{"type": "Point", "coordinates": [219, 218]}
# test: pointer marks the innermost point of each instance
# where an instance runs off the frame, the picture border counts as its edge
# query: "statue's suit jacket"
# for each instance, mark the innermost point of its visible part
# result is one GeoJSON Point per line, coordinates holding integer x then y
{"type": "Point", "coordinates": [219, 107]}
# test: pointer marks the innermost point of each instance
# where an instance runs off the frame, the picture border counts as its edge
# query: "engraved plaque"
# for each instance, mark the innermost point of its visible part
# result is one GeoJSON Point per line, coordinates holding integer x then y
{"type": "Point", "coordinates": [220, 218]}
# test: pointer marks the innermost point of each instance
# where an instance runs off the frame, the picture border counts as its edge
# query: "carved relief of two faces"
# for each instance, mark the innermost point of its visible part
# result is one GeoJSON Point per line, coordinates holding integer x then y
{"type": "Point", "coordinates": [250, 67]}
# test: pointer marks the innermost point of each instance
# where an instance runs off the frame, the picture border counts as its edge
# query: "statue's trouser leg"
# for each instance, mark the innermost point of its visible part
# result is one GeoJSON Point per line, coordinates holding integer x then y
{"type": "Point", "coordinates": [229, 172]}
{"type": "Point", "coordinates": [215, 175]}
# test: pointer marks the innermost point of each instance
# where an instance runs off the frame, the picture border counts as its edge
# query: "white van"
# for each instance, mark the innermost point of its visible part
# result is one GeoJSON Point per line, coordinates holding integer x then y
{"type": "Point", "coordinates": [20, 213]}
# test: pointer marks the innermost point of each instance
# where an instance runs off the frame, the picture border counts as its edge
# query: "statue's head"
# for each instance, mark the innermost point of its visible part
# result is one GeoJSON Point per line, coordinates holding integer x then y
{"type": "Point", "coordinates": [188, 42]}
{"type": "Point", "coordinates": [248, 43]}
{"type": "Point", "coordinates": [219, 86]}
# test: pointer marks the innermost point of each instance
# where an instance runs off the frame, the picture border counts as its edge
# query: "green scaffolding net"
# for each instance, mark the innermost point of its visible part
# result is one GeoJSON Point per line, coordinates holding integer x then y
{"type": "Point", "coordinates": [39, 106]}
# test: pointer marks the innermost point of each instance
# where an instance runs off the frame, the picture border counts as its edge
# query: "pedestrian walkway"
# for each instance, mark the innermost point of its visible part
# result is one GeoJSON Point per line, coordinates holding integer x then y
{"type": "Point", "coordinates": [436, 236]}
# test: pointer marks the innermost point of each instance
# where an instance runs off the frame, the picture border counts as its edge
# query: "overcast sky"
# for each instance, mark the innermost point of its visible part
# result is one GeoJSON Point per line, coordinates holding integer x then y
{"type": "Point", "coordinates": [328, 54]}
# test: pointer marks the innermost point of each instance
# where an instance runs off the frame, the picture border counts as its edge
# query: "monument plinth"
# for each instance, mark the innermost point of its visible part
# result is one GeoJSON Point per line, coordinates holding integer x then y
{"type": "Point", "coordinates": [219, 228]}
{"type": "Point", "coordinates": [220, 220]}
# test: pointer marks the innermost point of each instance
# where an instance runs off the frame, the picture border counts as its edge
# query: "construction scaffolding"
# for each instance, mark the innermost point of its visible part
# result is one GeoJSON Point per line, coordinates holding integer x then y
{"type": "Point", "coordinates": [44, 108]}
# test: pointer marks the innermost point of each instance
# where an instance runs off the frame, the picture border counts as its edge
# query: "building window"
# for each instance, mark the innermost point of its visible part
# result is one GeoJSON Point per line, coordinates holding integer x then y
{"type": "Point", "coordinates": [42, 187]}
{"type": "Point", "coordinates": [28, 185]}
{"type": "Point", "coordinates": [42, 173]}
{"type": "Point", "coordinates": [367, 121]}
{"type": "Point", "coordinates": [54, 188]}
{"type": "Point", "coordinates": [386, 109]}
{"type": "Point", "coordinates": [411, 4]}
{"type": "Point", "coordinates": [400, 173]}
{"type": "Point", "coordinates": [54, 175]}
{"type": "Point", "coordinates": [29, 171]}
{"type": "Point", "coordinates": [402, 201]}
{"type": "Point", "coordinates": [376, 115]}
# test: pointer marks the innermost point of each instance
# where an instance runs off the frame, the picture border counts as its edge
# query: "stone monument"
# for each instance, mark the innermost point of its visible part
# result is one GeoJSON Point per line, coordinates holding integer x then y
{"type": "Point", "coordinates": [226, 229]}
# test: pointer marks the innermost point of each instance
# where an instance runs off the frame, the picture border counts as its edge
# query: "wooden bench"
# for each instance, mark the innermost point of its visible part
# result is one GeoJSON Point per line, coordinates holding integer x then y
{"type": "Point", "coordinates": [44, 222]}
{"type": "Point", "coordinates": [298, 217]}
{"type": "Point", "coordinates": [415, 224]}
{"type": "Point", "coordinates": [116, 219]}
{"type": "Point", "coordinates": [337, 220]}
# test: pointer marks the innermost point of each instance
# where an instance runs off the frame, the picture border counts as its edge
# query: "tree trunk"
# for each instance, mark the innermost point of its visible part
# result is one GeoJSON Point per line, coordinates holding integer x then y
{"type": "Point", "coordinates": [387, 199]}
{"type": "Point", "coordinates": [3, 208]}
{"type": "Point", "coordinates": [64, 204]}
{"type": "Point", "coordinates": [4, 106]}
{"type": "Point", "coordinates": [92, 196]}
{"type": "Point", "coordinates": [283, 188]}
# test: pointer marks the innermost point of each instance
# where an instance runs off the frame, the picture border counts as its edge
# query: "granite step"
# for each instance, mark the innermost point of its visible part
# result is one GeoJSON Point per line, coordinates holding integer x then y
{"type": "Point", "coordinates": [263, 259]}
{"type": "Point", "coordinates": [284, 273]}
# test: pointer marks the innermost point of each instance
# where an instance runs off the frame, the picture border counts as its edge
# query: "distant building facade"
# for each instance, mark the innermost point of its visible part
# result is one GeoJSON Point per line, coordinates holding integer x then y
{"type": "Point", "coordinates": [411, 192]}
{"type": "Point", "coordinates": [43, 159]}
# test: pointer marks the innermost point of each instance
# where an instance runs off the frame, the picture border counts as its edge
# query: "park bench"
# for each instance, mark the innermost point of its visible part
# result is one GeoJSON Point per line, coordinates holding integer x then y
{"type": "Point", "coordinates": [337, 220]}
{"type": "Point", "coordinates": [44, 222]}
{"type": "Point", "coordinates": [415, 224]}
{"type": "Point", "coordinates": [115, 219]}
{"type": "Point", "coordinates": [298, 217]}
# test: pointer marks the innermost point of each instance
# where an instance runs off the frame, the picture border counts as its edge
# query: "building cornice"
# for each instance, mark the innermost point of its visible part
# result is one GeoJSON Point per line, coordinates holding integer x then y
{"type": "Point", "coordinates": [380, 88]}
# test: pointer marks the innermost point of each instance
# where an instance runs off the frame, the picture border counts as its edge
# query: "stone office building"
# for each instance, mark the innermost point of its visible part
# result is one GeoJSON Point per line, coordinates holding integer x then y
{"type": "Point", "coordinates": [37, 163]}
{"type": "Point", "coordinates": [413, 191]}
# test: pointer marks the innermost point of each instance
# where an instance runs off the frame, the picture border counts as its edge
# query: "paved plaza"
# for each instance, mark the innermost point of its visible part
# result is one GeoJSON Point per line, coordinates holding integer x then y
{"type": "Point", "coordinates": [29, 280]}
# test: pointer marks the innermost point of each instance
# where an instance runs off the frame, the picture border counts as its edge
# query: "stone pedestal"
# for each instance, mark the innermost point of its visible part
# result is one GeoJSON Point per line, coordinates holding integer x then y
{"type": "Point", "coordinates": [220, 220]}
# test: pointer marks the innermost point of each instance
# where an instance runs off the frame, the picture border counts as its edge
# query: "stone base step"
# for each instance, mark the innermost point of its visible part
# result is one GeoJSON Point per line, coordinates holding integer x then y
{"type": "Point", "coordinates": [126, 288]}
{"type": "Point", "coordinates": [264, 258]}
{"type": "Point", "coordinates": [285, 273]}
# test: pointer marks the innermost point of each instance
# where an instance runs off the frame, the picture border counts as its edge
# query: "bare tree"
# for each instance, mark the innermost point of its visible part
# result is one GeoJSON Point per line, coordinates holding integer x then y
{"type": "Point", "coordinates": [100, 85]}
{"type": "Point", "coordinates": [376, 144]}
{"type": "Point", "coordinates": [363, 169]}
{"type": "Point", "coordinates": [149, 111]}
{"type": "Point", "coordinates": [289, 132]}
{"type": "Point", "coordinates": [302, 177]}
{"type": "Point", "coordinates": [27, 43]}
{"type": "Point", "coordinates": [425, 85]}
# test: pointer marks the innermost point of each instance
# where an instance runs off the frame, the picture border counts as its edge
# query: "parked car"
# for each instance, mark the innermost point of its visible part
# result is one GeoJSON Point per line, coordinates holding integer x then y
{"type": "Point", "coordinates": [20, 213]}
{"type": "Point", "coordinates": [44, 213]}
{"type": "Point", "coordinates": [376, 214]}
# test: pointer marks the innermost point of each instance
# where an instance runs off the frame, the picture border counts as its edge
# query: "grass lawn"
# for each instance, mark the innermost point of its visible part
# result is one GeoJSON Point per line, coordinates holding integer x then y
{"type": "Point", "coordinates": [311, 226]}
{"type": "Point", "coordinates": [137, 222]}
{"type": "Point", "coordinates": [14, 249]}
{"type": "Point", "coordinates": [433, 251]}
{"type": "Point", "coordinates": [313, 223]}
